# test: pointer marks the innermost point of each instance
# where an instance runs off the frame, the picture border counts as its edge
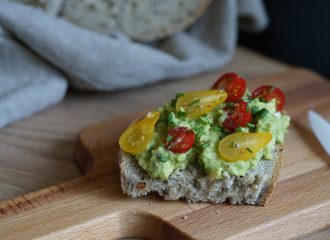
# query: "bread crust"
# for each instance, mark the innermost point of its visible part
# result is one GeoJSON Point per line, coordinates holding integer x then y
{"type": "Point", "coordinates": [168, 32]}
{"type": "Point", "coordinates": [266, 196]}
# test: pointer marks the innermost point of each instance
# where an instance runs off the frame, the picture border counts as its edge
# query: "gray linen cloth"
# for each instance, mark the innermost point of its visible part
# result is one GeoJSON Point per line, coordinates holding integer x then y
{"type": "Point", "coordinates": [41, 54]}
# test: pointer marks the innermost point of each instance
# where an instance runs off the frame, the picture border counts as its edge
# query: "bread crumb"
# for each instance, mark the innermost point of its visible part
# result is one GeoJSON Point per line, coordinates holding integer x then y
{"type": "Point", "coordinates": [217, 211]}
{"type": "Point", "coordinates": [185, 217]}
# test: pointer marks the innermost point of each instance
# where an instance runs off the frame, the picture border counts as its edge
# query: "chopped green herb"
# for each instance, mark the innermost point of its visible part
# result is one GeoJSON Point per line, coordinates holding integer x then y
{"type": "Point", "coordinates": [232, 144]}
{"type": "Point", "coordinates": [178, 95]}
{"type": "Point", "coordinates": [205, 119]}
{"type": "Point", "coordinates": [199, 131]}
{"type": "Point", "coordinates": [170, 118]}
{"type": "Point", "coordinates": [205, 145]}
{"type": "Point", "coordinates": [194, 102]}
{"type": "Point", "coordinates": [216, 128]}
{"type": "Point", "coordinates": [169, 138]}
{"type": "Point", "coordinates": [173, 102]}
{"type": "Point", "coordinates": [182, 114]}
{"type": "Point", "coordinates": [201, 163]}
{"type": "Point", "coordinates": [161, 157]}
{"type": "Point", "coordinates": [250, 125]}
{"type": "Point", "coordinates": [248, 98]}
{"type": "Point", "coordinates": [254, 110]}
{"type": "Point", "coordinates": [230, 104]}
{"type": "Point", "coordinates": [239, 129]}
{"type": "Point", "coordinates": [262, 113]}
{"type": "Point", "coordinates": [249, 150]}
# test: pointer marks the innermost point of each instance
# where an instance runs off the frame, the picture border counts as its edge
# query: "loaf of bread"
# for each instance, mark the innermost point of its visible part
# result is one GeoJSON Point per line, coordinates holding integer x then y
{"type": "Point", "coordinates": [53, 7]}
{"type": "Point", "coordinates": [145, 20]}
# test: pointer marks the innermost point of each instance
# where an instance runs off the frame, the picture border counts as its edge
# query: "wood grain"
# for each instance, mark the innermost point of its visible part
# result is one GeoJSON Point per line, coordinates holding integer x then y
{"type": "Point", "coordinates": [94, 207]}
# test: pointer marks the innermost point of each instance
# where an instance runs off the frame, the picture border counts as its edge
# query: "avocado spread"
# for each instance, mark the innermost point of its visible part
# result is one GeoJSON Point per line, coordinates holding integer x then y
{"type": "Point", "coordinates": [160, 162]}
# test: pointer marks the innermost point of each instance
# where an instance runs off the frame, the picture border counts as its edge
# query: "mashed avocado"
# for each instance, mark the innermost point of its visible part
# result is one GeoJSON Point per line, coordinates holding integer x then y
{"type": "Point", "coordinates": [160, 162]}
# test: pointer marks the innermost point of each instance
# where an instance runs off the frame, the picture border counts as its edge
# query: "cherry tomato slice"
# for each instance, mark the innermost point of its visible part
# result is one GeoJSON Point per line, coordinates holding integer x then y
{"type": "Point", "coordinates": [238, 115]}
{"type": "Point", "coordinates": [233, 84]}
{"type": "Point", "coordinates": [180, 140]}
{"type": "Point", "coordinates": [242, 146]}
{"type": "Point", "coordinates": [268, 93]}
{"type": "Point", "coordinates": [198, 103]}
{"type": "Point", "coordinates": [138, 135]}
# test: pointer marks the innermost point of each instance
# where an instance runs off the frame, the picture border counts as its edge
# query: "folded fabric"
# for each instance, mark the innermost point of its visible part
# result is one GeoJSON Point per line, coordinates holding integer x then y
{"type": "Point", "coordinates": [28, 84]}
{"type": "Point", "coordinates": [90, 61]}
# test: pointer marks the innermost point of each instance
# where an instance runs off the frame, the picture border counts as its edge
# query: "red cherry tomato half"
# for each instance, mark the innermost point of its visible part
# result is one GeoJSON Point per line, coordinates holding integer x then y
{"type": "Point", "coordinates": [180, 139]}
{"type": "Point", "coordinates": [238, 115]}
{"type": "Point", "coordinates": [268, 93]}
{"type": "Point", "coordinates": [233, 84]}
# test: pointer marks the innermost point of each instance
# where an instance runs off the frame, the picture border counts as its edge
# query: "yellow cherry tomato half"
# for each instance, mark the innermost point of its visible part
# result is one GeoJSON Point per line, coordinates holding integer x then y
{"type": "Point", "coordinates": [198, 103]}
{"type": "Point", "coordinates": [242, 146]}
{"type": "Point", "coordinates": [138, 135]}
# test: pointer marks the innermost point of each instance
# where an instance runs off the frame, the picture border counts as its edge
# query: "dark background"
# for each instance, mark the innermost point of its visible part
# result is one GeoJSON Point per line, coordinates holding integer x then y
{"type": "Point", "coordinates": [298, 33]}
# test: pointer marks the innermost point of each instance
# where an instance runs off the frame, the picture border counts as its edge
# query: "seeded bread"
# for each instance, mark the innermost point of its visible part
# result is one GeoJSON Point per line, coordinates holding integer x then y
{"type": "Point", "coordinates": [194, 185]}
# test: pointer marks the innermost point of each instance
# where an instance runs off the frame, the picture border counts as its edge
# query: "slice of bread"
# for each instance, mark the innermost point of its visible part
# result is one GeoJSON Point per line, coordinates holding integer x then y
{"type": "Point", "coordinates": [194, 185]}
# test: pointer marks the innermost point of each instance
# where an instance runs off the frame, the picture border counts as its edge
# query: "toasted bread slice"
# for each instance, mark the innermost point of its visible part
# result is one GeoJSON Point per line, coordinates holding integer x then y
{"type": "Point", "coordinates": [194, 185]}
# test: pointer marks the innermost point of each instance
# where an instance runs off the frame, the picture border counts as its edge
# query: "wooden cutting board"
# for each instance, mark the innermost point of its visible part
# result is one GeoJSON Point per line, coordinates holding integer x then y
{"type": "Point", "coordinates": [93, 206]}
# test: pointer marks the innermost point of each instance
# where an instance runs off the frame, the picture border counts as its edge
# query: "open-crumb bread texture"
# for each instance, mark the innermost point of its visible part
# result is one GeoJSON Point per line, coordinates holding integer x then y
{"type": "Point", "coordinates": [194, 185]}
